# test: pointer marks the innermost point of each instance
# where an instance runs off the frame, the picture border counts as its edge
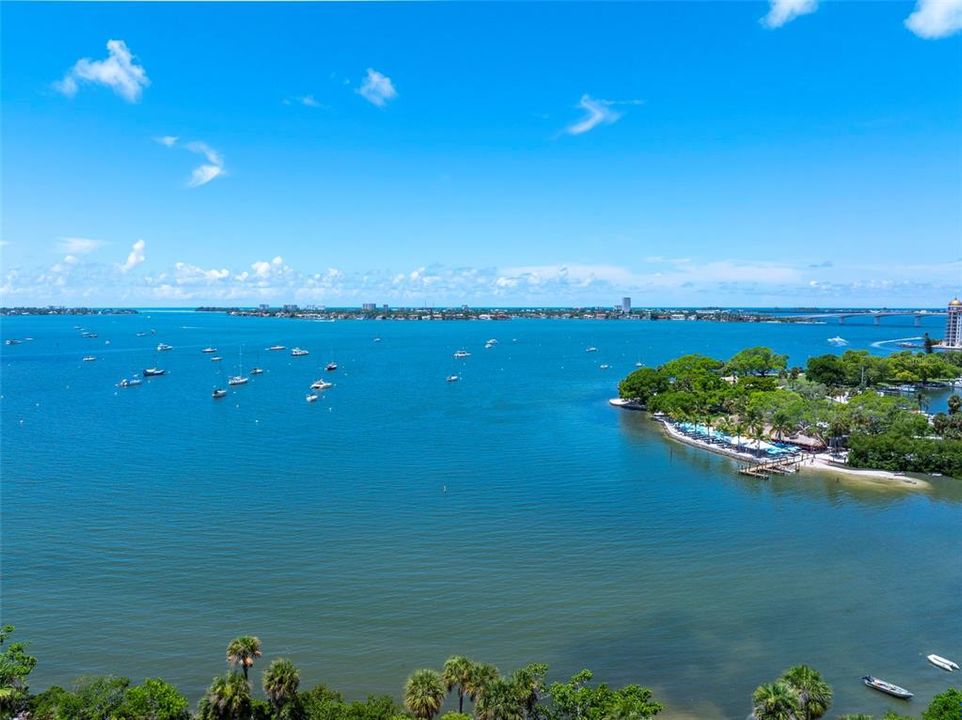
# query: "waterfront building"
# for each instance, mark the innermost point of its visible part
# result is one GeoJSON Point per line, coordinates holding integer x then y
{"type": "Point", "coordinates": [369, 307]}
{"type": "Point", "coordinates": [626, 305]}
{"type": "Point", "coordinates": [953, 326]}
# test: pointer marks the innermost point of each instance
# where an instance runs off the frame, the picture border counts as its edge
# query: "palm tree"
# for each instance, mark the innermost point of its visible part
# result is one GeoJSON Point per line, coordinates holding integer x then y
{"type": "Point", "coordinates": [499, 701]}
{"type": "Point", "coordinates": [480, 677]}
{"type": "Point", "coordinates": [814, 694]}
{"type": "Point", "coordinates": [281, 680]}
{"type": "Point", "coordinates": [243, 651]}
{"type": "Point", "coordinates": [424, 694]}
{"type": "Point", "coordinates": [528, 685]}
{"type": "Point", "coordinates": [457, 674]}
{"type": "Point", "coordinates": [776, 701]}
{"type": "Point", "coordinates": [227, 698]}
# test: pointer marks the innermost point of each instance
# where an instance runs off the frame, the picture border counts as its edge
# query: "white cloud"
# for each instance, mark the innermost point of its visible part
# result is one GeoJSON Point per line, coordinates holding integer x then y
{"type": "Point", "coordinates": [78, 245]}
{"type": "Point", "coordinates": [309, 101]}
{"type": "Point", "coordinates": [597, 112]}
{"type": "Point", "coordinates": [119, 71]}
{"type": "Point", "coordinates": [377, 88]}
{"type": "Point", "coordinates": [167, 140]}
{"type": "Point", "coordinates": [135, 258]}
{"type": "Point", "coordinates": [934, 19]}
{"type": "Point", "coordinates": [214, 167]}
{"type": "Point", "coordinates": [783, 11]}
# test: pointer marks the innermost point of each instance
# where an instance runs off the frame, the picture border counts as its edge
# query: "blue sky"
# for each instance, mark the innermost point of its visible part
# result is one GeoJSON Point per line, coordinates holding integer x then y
{"type": "Point", "coordinates": [682, 153]}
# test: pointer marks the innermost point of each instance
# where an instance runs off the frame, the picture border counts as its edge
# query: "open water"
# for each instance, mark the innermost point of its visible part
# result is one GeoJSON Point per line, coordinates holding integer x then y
{"type": "Point", "coordinates": [512, 516]}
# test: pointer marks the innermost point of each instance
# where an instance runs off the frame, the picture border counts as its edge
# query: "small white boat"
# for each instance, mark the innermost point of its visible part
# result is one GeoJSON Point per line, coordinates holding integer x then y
{"type": "Point", "coordinates": [237, 380]}
{"type": "Point", "coordinates": [488, 345]}
{"type": "Point", "coordinates": [838, 340]}
{"type": "Point", "coordinates": [604, 366]}
{"type": "Point", "coordinates": [453, 378]}
{"type": "Point", "coordinates": [886, 687]}
{"type": "Point", "coordinates": [331, 367]}
{"type": "Point", "coordinates": [216, 358]}
{"type": "Point", "coordinates": [209, 350]}
{"type": "Point", "coordinates": [462, 354]}
{"type": "Point", "coordinates": [311, 397]}
{"type": "Point", "coordinates": [276, 348]}
{"type": "Point", "coordinates": [492, 341]}
{"type": "Point", "coordinates": [591, 349]}
{"type": "Point", "coordinates": [298, 352]}
{"type": "Point", "coordinates": [153, 372]}
{"type": "Point", "coordinates": [89, 358]}
{"type": "Point", "coordinates": [219, 393]}
{"type": "Point", "coordinates": [377, 339]}
{"type": "Point", "coordinates": [164, 346]}
{"type": "Point", "coordinates": [141, 334]}
{"type": "Point", "coordinates": [132, 382]}
{"type": "Point", "coordinates": [942, 662]}
{"type": "Point", "coordinates": [321, 385]}
{"type": "Point", "coordinates": [639, 364]}
{"type": "Point", "coordinates": [257, 371]}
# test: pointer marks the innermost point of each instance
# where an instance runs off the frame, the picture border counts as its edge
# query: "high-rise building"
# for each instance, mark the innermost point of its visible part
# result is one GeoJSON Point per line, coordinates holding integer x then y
{"type": "Point", "coordinates": [626, 305]}
{"type": "Point", "coordinates": [369, 307]}
{"type": "Point", "coordinates": [953, 326]}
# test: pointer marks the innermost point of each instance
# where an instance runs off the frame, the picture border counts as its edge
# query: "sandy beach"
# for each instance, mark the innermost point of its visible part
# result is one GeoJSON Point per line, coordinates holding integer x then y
{"type": "Point", "coordinates": [820, 463]}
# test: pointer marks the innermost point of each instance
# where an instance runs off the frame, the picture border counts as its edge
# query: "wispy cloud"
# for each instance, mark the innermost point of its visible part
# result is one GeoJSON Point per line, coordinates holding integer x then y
{"type": "Point", "coordinates": [119, 71]}
{"type": "Point", "coordinates": [204, 173]}
{"type": "Point", "coordinates": [377, 88]}
{"type": "Point", "coordinates": [135, 258]}
{"type": "Point", "coordinates": [78, 245]}
{"type": "Point", "coordinates": [935, 19]}
{"type": "Point", "coordinates": [783, 11]}
{"type": "Point", "coordinates": [597, 112]}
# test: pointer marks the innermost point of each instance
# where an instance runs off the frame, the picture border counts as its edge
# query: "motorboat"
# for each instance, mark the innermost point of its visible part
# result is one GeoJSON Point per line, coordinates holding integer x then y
{"type": "Point", "coordinates": [886, 687]}
{"type": "Point", "coordinates": [591, 349]}
{"type": "Point", "coordinates": [219, 393]}
{"type": "Point", "coordinates": [164, 346]}
{"type": "Point", "coordinates": [377, 339]}
{"type": "Point", "coordinates": [141, 334]}
{"type": "Point", "coordinates": [88, 335]}
{"type": "Point", "coordinates": [331, 367]}
{"type": "Point", "coordinates": [488, 345]}
{"type": "Point", "coordinates": [639, 364]}
{"type": "Point", "coordinates": [216, 358]}
{"type": "Point", "coordinates": [462, 354]}
{"type": "Point", "coordinates": [276, 348]}
{"type": "Point", "coordinates": [321, 385]}
{"type": "Point", "coordinates": [153, 372]}
{"type": "Point", "coordinates": [604, 366]}
{"type": "Point", "coordinates": [453, 378]}
{"type": "Point", "coordinates": [492, 341]}
{"type": "Point", "coordinates": [257, 371]}
{"type": "Point", "coordinates": [132, 382]}
{"type": "Point", "coordinates": [12, 341]}
{"type": "Point", "coordinates": [311, 397]}
{"type": "Point", "coordinates": [89, 358]}
{"type": "Point", "coordinates": [298, 352]}
{"type": "Point", "coordinates": [209, 350]}
{"type": "Point", "coordinates": [238, 380]}
{"type": "Point", "coordinates": [942, 662]}
{"type": "Point", "coordinates": [838, 340]}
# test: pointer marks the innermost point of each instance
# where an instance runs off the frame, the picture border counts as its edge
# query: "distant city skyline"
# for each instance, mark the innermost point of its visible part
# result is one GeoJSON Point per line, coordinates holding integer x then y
{"type": "Point", "coordinates": [757, 154]}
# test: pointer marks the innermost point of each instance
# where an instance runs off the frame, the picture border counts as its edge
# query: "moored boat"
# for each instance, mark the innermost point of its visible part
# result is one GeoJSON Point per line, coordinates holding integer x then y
{"type": "Point", "coordinates": [321, 385]}
{"type": "Point", "coordinates": [311, 397]}
{"type": "Point", "coordinates": [591, 349]}
{"type": "Point", "coordinates": [942, 662]}
{"type": "Point", "coordinates": [237, 380]}
{"type": "Point", "coordinates": [132, 382]}
{"type": "Point", "coordinates": [164, 346]}
{"type": "Point", "coordinates": [298, 352]}
{"type": "Point", "coordinates": [218, 393]}
{"type": "Point", "coordinates": [277, 348]}
{"type": "Point", "coordinates": [886, 687]}
{"type": "Point", "coordinates": [331, 367]}
{"type": "Point", "coordinates": [89, 358]}
{"type": "Point", "coordinates": [153, 372]}
{"type": "Point", "coordinates": [453, 378]}
{"type": "Point", "coordinates": [462, 354]}
{"type": "Point", "coordinates": [257, 371]}
{"type": "Point", "coordinates": [209, 350]}
{"type": "Point", "coordinates": [216, 358]}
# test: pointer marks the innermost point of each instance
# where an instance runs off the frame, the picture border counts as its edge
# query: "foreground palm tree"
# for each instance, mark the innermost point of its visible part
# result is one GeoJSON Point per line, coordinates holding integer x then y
{"type": "Point", "coordinates": [243, 651]}
{"type": "Point", "coordinates": [528, 685]}
{"type": "Point", "coordinates": [776, 701]}
{"type": "Point", "coordinates": [814, 694]}
{"type": "Point", "coordinates": [281, 680]}
{"type": "Point", "coordinates": [227, 698]}
{"type": "Point", "coordinates": [499, 701]}
{"type": "Point", "coordinates": [482, 675]}
{"type": "Point", "coordinates": [457, 674]}
{"type": "Point", "coordinates": [424, 694]}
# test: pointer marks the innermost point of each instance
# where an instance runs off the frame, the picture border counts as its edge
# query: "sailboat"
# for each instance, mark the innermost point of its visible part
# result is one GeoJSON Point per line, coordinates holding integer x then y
{"type": "Point", "coordinates": [239, 379]}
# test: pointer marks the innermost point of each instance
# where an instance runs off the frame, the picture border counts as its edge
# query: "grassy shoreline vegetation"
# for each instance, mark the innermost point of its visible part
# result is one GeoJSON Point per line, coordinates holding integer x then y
{"type": "Point", "coordinates": [847, 402]}
{"type": "Point", "coordinates": [799, 693]}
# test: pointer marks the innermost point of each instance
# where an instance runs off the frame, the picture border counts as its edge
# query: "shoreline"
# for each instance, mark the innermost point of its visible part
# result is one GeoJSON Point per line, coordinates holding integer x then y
{"type": "Point", "coordinates": [811, 463]}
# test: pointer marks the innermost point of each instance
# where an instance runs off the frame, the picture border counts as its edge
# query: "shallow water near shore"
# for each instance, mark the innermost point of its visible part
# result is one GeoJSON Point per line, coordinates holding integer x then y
{"type": "Point", "coordinates": [512, 516]}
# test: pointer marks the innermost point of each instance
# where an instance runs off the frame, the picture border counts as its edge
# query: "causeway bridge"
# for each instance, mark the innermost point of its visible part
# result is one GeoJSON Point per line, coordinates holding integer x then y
{"type": "Point", "coordinates": [876, 315]}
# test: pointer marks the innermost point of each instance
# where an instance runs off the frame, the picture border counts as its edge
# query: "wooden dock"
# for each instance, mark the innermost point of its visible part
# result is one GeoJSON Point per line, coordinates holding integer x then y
{"type": "Point", "coordinates": [776, 466]}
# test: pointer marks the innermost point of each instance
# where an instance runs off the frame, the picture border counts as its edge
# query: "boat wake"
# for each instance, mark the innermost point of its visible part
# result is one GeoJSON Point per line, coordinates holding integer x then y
{"type": "Point", "coordinates": [883, 343]}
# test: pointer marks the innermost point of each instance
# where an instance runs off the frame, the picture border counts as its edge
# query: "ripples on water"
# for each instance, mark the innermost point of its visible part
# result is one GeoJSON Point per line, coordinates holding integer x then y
{"type": "Point", "coordinates": [145, 527]}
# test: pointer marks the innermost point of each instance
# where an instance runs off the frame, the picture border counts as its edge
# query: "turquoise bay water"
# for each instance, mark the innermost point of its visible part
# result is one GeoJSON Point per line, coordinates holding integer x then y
{"type": "Point", "coordinates": [144, 527]}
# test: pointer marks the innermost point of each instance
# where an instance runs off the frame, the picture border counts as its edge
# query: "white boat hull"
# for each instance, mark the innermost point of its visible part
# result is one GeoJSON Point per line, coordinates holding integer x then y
{"type": "Point", "coordinates": [942, 662]}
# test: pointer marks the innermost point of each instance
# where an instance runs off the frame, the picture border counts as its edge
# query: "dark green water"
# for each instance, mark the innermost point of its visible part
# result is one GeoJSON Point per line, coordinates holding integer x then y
{"type": "Point", "coordinates": [143, 528]}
